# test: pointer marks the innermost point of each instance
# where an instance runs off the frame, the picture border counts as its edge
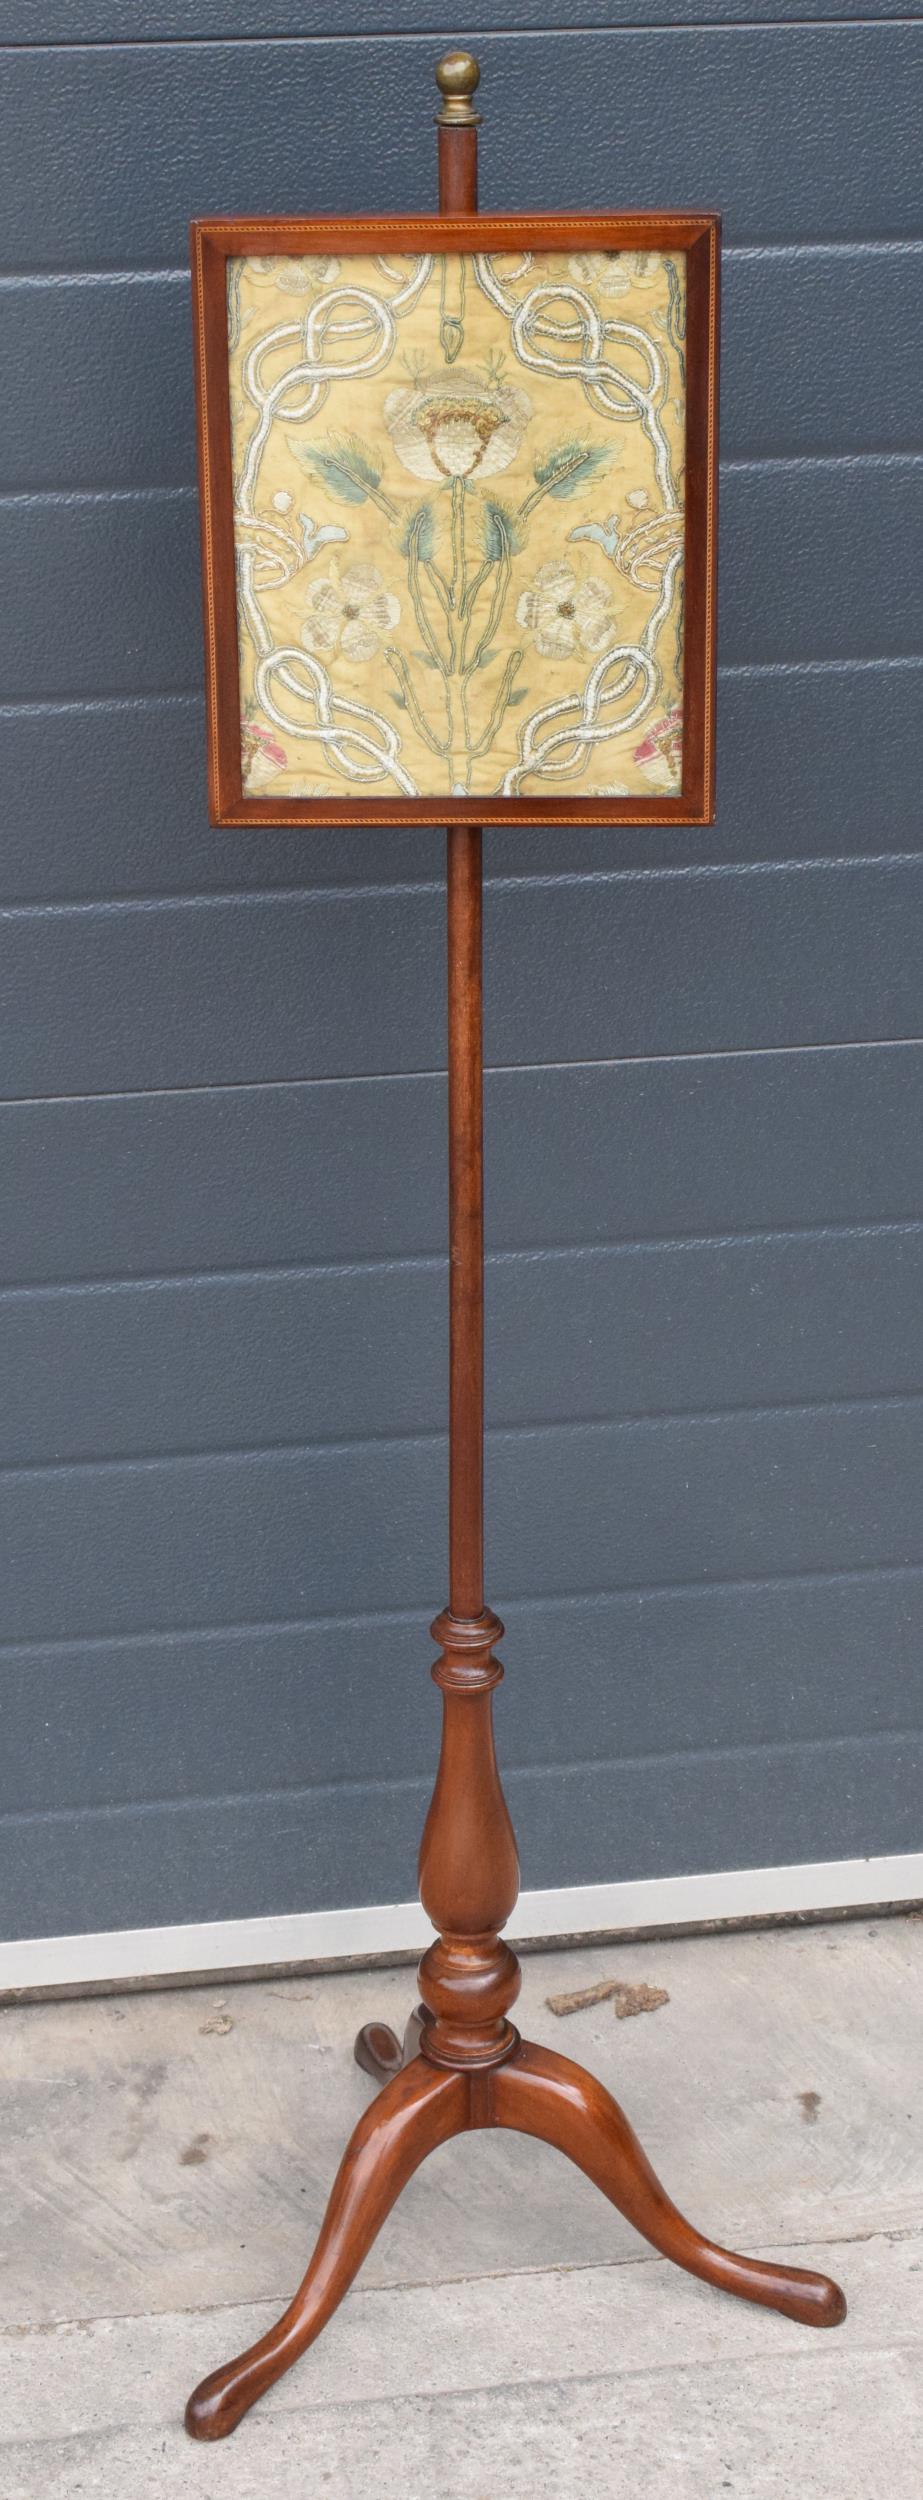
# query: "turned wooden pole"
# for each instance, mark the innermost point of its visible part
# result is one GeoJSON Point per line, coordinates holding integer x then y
{"type": "Point", "coordinates": [466, 1221]}
{"type": "Point", "coordinates": [469, 1871]}
{"type": "Point", "coordinates": [457, 125]}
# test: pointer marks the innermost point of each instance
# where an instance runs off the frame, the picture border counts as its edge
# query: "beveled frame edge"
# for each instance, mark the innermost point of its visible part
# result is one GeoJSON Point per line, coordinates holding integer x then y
{"type": "Point", "coordinates": [214, 241]}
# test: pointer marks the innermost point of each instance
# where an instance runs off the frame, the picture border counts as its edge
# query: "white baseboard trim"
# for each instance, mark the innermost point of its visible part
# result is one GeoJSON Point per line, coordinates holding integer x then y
{"type": "Point", "coordinates": [389, 1931]}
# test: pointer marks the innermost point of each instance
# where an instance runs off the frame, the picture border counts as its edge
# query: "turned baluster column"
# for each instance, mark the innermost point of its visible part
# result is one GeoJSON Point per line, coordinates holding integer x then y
{"type": "Point", "coordinates": [469, 1871]}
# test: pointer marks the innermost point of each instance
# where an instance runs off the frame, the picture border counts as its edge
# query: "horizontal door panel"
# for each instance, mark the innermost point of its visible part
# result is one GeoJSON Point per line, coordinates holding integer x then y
{"type": "Point", "coordinates": [672, 1673]}
{"type": "Point", "coordinates": [588, 1336]}
{"type": "Point", "coordinates": [119, 21]}
{"type": "Point", "coordinates": [296, 986]}
{"type": "Point", "coordinates": [785, 1806]}
{"type": "Point", "coordinates": [111, 800]}
{"type": "Point", "coordinates": [276, 1536]}
{"type": "Point", "coordinates": [251, 1857]}
{"type": "Point", "coordinates": [103, 596]}
{"type": "Point", "coordinates": [804, 133]}
{"type": "Point", "coordinates": [821, 352]}
{"type": "Point", "coordinates": [818, 561]}
{"type": "Point", "coordinates": [277, 1176]}
{"type": "Point", "coordinates": [126, 418]}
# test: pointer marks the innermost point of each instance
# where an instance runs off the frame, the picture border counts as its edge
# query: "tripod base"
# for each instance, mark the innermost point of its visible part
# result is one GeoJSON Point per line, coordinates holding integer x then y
{"type": "Point", "coordinates": [422, 2105]}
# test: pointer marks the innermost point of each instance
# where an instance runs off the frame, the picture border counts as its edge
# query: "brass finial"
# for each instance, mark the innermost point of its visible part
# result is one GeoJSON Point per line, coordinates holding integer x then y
{"type": "Point", "coordinates": [457, 75]}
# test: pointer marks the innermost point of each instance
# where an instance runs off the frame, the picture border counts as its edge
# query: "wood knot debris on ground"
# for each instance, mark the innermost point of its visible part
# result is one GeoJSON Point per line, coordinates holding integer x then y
{"type": "Point", "coordinates": [217, 2020]}
{"type": "Point", "coordinates": [630, 1996]}
{"type": "Point", "coordinates": [810, 2105]}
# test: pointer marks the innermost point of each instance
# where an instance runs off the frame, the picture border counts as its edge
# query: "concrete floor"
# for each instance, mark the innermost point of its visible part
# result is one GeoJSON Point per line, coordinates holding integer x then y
{"type": "Point", "coordinates": [165, 2159]}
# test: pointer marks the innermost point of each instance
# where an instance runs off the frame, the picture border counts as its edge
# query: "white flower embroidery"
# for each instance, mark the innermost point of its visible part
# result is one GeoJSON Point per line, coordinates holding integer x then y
{"type": "Point", "coordinates": [348, 611]}
{"type": "Point", "coordinates": [561, 612]}
{"type": "Point", "coordinates": [615, 273]}
{"type": "Point", "coordinates": [456, 426]}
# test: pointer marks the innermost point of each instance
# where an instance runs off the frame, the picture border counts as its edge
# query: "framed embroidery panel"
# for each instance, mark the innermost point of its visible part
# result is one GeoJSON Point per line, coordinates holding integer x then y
{"type": "Point", "coordinates": [458, 491]}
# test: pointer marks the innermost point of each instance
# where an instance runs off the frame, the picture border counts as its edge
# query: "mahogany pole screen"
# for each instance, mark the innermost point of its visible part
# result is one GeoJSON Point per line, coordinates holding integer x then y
{"type": "Point", "coordinates": [383, 553]}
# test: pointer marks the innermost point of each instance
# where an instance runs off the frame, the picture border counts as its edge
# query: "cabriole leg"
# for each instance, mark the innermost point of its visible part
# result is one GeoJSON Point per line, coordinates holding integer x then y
{"type": "Point", "coordinates": [422, 2107]}
{"type": "Point", "coordinates": [542, 2094]}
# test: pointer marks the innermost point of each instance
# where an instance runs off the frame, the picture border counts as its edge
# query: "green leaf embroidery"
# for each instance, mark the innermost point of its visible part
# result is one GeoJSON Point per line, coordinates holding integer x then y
{"type": "Point", "coordinates": [484, 657]}
{"type": "Point", "coordinates": [344, 465]}
{"type": "Point", "coordinates": [451, 336]}
{"type": "Point", "coordinates": [569, 466]}
{"type": "Point", "coordinates": [519, 696]}
{"type": "Point", "coordinates": [500, 532]}
{"type": "Point", "coordinates": [426, 659]}
{"type": "Point", "coordinates": [419, 532]}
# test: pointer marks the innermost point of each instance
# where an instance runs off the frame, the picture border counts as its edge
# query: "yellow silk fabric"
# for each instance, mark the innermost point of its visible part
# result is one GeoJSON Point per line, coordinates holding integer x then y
{"type": "Point", "coordinates": [412, 461]}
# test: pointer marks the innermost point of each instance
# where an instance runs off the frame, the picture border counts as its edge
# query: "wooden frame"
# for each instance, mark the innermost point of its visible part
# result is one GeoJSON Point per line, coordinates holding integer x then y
{"type": "Point", "coordinates": [214, 243]}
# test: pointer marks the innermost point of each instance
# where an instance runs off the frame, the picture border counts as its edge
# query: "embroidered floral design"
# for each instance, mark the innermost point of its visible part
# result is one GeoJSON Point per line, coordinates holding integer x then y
{"type": "Point", "coordinates": [491, 450]}
{"type": "Point", "coordinates": [660, 754]}
{"type": "Point", "coordinates": [262, 755]}
{"type": "Point", "coordinates": [615, 273]}
{"type": "Point", "coordinates": [456, 424]}
{"type": "Point", "coordinates": [298, 277]}
{"type": "Point", "coordinates": [564, 614]}
{"type": "Point", "coordinates": [349, 611]}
